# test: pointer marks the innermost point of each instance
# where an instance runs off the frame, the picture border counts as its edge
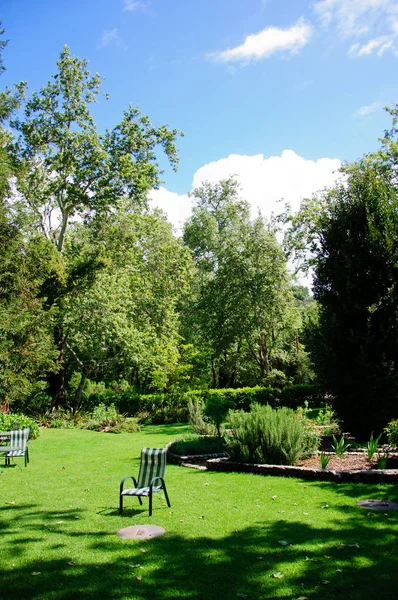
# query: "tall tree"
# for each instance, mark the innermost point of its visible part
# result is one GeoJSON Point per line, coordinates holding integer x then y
{"type": "Point", "coordinates": [243, 306]}
{"type": "Point", "coordinates": [125, 325]}
{"type": "Point", "coordinates": [352, 232]}
{"type": "Point", "coordinates": [68, 171]}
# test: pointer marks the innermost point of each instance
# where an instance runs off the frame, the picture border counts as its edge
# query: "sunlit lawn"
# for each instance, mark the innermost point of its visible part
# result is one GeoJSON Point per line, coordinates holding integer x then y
{"type": "Point", "coordinates": [59, 520]}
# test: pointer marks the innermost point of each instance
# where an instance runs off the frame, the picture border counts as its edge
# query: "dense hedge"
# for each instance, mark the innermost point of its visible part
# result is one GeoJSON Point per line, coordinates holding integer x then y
{"type": "Point", "coordinates": [9, 420]}
{"type": "Point", "coordinates": [169, 408]}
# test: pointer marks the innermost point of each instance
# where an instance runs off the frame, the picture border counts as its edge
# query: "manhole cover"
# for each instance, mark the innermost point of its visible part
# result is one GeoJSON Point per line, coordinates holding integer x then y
{"type": "Point", "coordinates": [141, 532]}
{"type": "Point", "coordinates": [379, 504]}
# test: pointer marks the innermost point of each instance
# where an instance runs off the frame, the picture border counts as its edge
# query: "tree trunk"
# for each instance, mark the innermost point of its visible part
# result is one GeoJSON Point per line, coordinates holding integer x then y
{"type": "Point", "coordinates": [213, 372]}
{"type": "Point", "coordinates": [263, 355]}
{"type": "Point", "coordinates": [57, 379]}
{"type": "Point", "coordinates": [80, 388]}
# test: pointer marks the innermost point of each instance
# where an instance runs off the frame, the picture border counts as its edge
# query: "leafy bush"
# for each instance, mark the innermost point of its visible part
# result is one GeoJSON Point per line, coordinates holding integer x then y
{"type": "Point", "coordinates": [195, 444]}
{"type": "Point", "coordinates": [130, 426]}
{"type": "Point", "coordinates": [163, 415]}
{"type": "Point", "coordinates": [8, 420]}
{"type": "Point", "coordinates": [294, 396]}
{"type": "Point", "coordinates": [196, 418]}
{"type": "Point", "coordinates": [392, 432]}
{"type": "Point", "coordinates": [216, 409]}
{"type": "Point", "coordinates": [104, 417]}
{"type": "Point", "coordinates": [269, 436]}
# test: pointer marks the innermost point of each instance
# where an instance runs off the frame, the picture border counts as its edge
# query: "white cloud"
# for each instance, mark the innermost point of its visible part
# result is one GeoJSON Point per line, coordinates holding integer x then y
{"type": "Point", "coordinates": [132, 5]}
{"type": "Point", "coordinates": [264, 182]}
{"type": "Point", "coordinates": [178, 207]}
{"type": "Point", "coordinates": [111, 36]}
{"type": "Point", "coordinates": [267, 42]}
{"type": "Point", "coordinates": [373, 21]}
{"type": "Point", "coordinates": [364, 111]}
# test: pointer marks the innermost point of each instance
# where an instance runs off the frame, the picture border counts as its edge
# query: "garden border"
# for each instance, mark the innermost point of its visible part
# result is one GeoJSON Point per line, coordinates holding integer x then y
{"type": "Point", "coordinates": [357, 475]}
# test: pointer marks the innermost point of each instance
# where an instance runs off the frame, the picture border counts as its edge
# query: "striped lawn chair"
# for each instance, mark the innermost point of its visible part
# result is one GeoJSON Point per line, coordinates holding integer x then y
{"type": "Point", "coordinates": [150, 477]}
{"type": "Point", "coordinates": [19, 445]}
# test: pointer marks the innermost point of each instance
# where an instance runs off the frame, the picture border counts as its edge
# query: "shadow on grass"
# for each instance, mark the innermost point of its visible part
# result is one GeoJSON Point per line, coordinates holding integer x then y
{"type": "Point", "coordinates": [357, 562]}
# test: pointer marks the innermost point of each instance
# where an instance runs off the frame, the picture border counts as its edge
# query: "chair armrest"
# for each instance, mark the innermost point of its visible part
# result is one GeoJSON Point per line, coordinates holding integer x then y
{"type": "Point", "coordinates": [124, 479]}
{"type": "Point", "coordinates": [155, 479]}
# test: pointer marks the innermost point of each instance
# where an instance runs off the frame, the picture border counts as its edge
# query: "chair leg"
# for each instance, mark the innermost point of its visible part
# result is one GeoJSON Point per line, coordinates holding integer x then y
{"type": "Point", "coordinates": [166, 495]}
{"type": "Point", "coordinates": [15, 463]}
{"type": "Point", "coordinates": [150, 503]}
{"type": "Point", "coordinates": [121, 504]}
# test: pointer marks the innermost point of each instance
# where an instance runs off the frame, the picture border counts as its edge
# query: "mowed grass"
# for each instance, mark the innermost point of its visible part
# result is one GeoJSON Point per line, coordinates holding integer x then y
{"type": "Point", "coordinates": [228, 535]}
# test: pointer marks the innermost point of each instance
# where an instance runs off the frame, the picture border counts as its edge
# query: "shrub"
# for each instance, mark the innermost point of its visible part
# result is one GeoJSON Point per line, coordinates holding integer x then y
{"type": "Point", "coordinates": [216, 409]}
{"type": "Point", "coordinates": [294, 396]}
{"type": "Point", "coordinates": [192, 443]}
{"type": "Point", "coordinates": [125, 427]}
{"type": "Point", "coordinates": [196, 418]}
{"type": "Point", "coordinates": [392, 432]}
{"type": "Point", "coordinates": [269, 436]}
{"type": "Point", "coordinates": [163, 415]}
{"type": "Point", "coordinates": [104, 417]}
{"type": "Point", "coordinates": [8, 420]}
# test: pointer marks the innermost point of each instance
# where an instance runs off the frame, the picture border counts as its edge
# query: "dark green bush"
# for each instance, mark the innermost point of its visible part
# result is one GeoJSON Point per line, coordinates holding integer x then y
{"type": "Point", "coordinates": [269, 436]}
{"type": "Point", "coordinates": [7, 421]}
{"type": "Point", "coordinates": [294, 396]}
{"type": "Point", "coordinates": [216, 410]}
{"type": "Point", "coordinates": [192, 443]}
{"type": "Point", "coordinates": [392, 432]}
{"type": "Point", "coordinates": [168, 408]}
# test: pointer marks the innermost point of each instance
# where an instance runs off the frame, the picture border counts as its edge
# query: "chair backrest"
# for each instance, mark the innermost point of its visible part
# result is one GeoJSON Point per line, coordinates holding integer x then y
{"type": "Point", "coordinates": [19, 438]}
{"type": "Point", "coordinates": [153, 464]}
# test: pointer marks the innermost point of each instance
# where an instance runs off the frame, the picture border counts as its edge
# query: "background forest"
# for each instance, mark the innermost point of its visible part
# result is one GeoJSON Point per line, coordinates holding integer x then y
{"type": "Point", "coordinates": [98, 293]}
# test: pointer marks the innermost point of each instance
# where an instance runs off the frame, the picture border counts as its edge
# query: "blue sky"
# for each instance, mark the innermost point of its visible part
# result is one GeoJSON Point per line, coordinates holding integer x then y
{"type": "Point", "coordinates": [277, 92]}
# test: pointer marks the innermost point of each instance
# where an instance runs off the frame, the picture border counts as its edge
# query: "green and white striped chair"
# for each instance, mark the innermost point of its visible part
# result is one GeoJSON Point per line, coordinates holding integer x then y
{"type": "Point", "coordinates": [19, 445]}
{"type": "Point", "coordinates": [150, 477]}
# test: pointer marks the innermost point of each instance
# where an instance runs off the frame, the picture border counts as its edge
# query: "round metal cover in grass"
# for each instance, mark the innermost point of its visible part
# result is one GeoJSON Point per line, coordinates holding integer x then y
{"type": "Point", "coordinates": [141, 532]}
{"type": "Point", "coordinates": [379, 504]}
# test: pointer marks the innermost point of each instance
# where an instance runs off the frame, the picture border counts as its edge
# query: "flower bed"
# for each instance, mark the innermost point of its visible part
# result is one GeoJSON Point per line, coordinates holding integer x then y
{"type": "Point", "coordinates": [369, 475]}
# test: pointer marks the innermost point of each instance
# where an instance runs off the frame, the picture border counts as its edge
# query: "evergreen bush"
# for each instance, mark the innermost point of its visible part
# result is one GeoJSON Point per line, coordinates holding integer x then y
{"type": "Point", "coordinates": [269, 436]}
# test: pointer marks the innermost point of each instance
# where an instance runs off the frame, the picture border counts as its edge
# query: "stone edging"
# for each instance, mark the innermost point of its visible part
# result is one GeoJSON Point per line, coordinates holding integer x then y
{"type": "Point", "coordinates": [363, 476]}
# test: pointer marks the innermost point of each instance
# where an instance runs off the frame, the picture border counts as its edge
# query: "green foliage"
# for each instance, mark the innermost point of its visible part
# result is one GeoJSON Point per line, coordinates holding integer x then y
{"type": "Point", "coordinates": [294, 396]}
{"type": "Point", "coordinates": [65, 167]}
{"type": "Point", "coordinates": [8, 420]}
{"type": "Point", "coordinates": [243, 398]}
{"type": "Point", "coordinates": [195, 444]}
{"type": "Point", "coordinates": [104, 417]}
{"type": "Point", "coordinates": [340, 446]}
{"type": "Point", "coordinates": [241, 308]}
{"type": "Point", "coordinates": [324, 460]}
{"type": "Point", "coordinates": [326, 416]}
{"type": "Point", "coordinates": [196, 418]}
{"type": "Point", "coordinates": [372, 445]}
{"type": "Point", "coordinates": [392, 432]}
{"type": "Point", "coordinates": [216, 410]}
{"type": "Point", "coordinates": [351, 232]}
{"type": "Point", "coordinates": [26, 346]}
{"type": "Point", "coordinates": [269, 436]}
{"type": "Point", "coordinates": [168, 413]}
{"type": "Point", "coordinates": [382, 459]}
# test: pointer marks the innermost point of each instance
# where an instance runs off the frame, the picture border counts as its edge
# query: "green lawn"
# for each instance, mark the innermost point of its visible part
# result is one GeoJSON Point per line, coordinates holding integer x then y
{"type": "Point", "coordinates": [59, 520]}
